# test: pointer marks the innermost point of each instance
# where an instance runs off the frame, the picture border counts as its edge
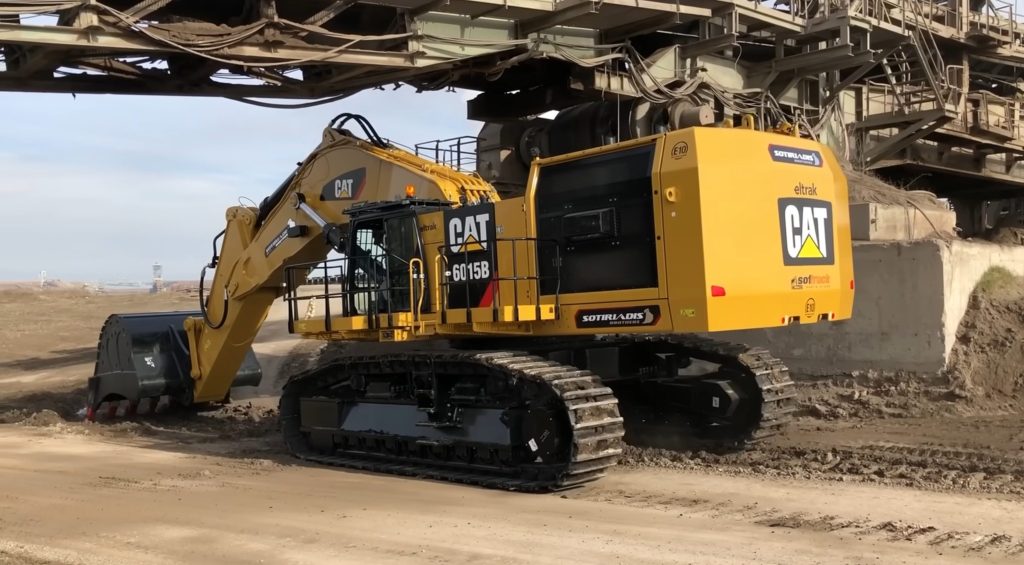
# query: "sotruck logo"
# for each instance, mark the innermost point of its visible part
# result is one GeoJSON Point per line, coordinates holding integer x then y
{"type": "Point", "coordinates": [795, 156]}
{"type": "Point", "coordinates": [806, 226]}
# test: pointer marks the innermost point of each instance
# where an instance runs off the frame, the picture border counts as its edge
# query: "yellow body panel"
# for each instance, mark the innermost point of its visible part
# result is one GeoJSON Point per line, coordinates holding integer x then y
{"type": "Point", "coordinates": [721, 200]}
{"type": "Point", "coordinates": [727, 228]}
{"type": "Point", "coordinates": [739, 229]}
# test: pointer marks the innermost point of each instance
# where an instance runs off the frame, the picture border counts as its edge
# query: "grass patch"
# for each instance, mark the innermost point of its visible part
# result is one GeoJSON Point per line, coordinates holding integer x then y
{"type": "Point", "coordinates": [994, 278]}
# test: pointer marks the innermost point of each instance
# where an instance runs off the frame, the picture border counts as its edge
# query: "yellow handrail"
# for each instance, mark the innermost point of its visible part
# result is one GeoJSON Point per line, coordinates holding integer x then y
{"type": "Point", "coordinates": [416, 263]}
{"type": "Point", "coordinates": [437, 282]}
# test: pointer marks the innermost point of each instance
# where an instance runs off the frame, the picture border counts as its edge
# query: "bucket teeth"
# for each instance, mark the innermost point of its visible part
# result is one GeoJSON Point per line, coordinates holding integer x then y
{"type": "Point", "coordinates": [125, 409]}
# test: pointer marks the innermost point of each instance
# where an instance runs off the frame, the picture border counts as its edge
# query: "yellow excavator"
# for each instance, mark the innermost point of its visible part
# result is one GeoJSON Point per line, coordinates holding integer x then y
{"type": "Point", "coordinates": [557, 321]}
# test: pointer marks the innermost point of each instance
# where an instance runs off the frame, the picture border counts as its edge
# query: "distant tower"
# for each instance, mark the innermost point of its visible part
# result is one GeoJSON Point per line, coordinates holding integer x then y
{"type": "Point", "coordinates": [158, 278]}
{"type": "Point", "coordinates": [42, 279]}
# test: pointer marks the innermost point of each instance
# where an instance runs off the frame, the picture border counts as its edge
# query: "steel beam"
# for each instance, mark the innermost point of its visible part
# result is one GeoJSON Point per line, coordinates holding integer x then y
{"type": "Point", "coordinates": [145, 8]}
{"type": "Point", "coordinates": [427, 7]}
{"type": "Point", "coordinates": [851, 78]}
{"type": "Point", "coordinates": [567, 10]}
{"type": "Point", "coordinates": [881, 121]}
{"type": "Point", "coordinates": [328, 13]}
{"type": "Point", "coordinates": [706, 46]}
{"type": "Point", "coordinates": [251, 53]}
{"type": "Point", "coordinates": [113, 67]}
{"type": "Point", "coordinates": [641, 27]}
{"type": "Point", "coordinates": [827, 55]}
{"type": "Point", "coordinates": [95, 84]}
{"type": "Point", "coordinates": [495, 106]}
{"type": "Point", "coordinates": [905, 136]}
{"type": "Point", "coordinates": [773, 18]}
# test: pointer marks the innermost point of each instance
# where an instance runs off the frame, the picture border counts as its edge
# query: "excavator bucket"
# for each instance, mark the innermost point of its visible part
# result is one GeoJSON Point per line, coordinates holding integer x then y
{"type": "Point", "coordinates": [142, 362]}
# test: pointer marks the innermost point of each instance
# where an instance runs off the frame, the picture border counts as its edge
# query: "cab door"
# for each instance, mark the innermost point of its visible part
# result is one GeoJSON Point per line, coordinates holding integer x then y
{"type": "Point", "coordinates": [385, 265]}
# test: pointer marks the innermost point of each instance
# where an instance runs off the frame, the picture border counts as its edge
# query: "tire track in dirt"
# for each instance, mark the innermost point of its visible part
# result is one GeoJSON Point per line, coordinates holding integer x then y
{"type": "Point", "coordinates": [928, 467]}
{"type": "Point", "coordinates": [891, 531]}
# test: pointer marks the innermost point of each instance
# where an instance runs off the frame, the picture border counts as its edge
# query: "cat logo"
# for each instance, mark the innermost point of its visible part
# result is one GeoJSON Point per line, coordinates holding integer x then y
{"type": "Point", "coordinates": [471, 269]}
{"type": "Point", "coordinates": [806, 227]}
{"type": "Point", "coordinates": [346, 186]}
{"type": "Point", "coordinates": [467, 234]}
{"type": "Point", "coordinates": [343, 188]}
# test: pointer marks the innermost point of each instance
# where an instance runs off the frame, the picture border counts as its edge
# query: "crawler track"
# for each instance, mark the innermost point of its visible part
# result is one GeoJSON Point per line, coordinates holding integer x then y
{"type": "Point", "coordinates": [763, 376]}
{"type": "Point", "coordinates": [589, 422]}
{"type": "Point", "coordinates": [587, 417]}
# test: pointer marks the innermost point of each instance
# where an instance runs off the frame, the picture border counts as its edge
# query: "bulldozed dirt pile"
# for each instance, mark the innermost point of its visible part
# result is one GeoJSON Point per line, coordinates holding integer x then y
{"type": "Point", "coordinates": [987, 362]}
{"type": "Point", "coordinates": [984, 376]}
{"type": "Point", "coordinates": [875, 394]}
{"type": "Point", "coordinates": [866, 187]}
{"type": "Point", "coordinates": [231, 422]}
{"type": "Point", "coordinates": [1006, 236]}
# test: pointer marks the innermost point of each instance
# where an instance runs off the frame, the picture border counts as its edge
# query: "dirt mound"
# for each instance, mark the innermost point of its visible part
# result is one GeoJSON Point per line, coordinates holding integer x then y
{"type": "Point", "coordinates": [64, 403]}
{"type": "Point", "coordinates": [985, 374]}
{"type": "Point", "coordinates": [865, 187]}
{"type": "Point", "coordinates": [987, 361]}
{"type": "Point", "coordinates": [876, 394]}
{"type": "Point", "coordinates": [43, 418]}
{"type": "Point", "coordinates": [40, 419]}
{"type": "Point", "coordinates": [1006, 236]}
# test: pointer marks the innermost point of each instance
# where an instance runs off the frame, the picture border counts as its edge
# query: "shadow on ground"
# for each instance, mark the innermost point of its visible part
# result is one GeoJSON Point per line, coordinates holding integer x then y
{"type": "Point", "coordinates": [57, 359]}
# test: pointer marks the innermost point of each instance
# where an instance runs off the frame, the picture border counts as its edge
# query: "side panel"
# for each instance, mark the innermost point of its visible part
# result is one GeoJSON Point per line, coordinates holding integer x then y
{"type": "Point", "coordinates": [683, 231]}
{"type": "Point", "coordinates": [776, 234]}
{"type": "Point", "coordinates": [517, 256]}
{"type": "Point", "coordinates": [598, 208]}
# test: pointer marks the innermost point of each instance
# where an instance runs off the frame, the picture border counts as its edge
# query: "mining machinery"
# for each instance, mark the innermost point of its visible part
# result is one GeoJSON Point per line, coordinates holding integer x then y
{"type": "Point", "coordinates": [522, 336]}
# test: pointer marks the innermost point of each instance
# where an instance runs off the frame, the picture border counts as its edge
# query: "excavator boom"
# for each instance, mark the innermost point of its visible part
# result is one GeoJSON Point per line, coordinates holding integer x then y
{"type": "Point", "coordinates": [210, 350]}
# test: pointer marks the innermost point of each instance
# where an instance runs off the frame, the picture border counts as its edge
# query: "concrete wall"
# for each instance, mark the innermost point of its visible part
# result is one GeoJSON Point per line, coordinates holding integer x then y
{"type": "Point", "coordinates": [870, 221]}
{"type": "Point", "coordinates": [909, 300]}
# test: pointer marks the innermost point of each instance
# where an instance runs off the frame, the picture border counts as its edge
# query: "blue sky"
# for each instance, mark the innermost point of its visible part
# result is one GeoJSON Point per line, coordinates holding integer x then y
{"type": "Point", "coordinates": [100, 187]}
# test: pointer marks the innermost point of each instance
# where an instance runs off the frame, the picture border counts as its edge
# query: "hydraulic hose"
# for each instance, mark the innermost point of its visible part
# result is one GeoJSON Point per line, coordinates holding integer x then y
{"type": "Point", "coordinates": [202, 289]}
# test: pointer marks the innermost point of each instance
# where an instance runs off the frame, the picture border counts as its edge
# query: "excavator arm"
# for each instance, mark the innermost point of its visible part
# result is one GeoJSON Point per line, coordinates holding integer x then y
{"type": "Point", "coordinates": [301, 222]}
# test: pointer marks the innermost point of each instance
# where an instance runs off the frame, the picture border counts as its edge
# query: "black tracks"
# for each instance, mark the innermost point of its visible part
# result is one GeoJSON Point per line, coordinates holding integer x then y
{"type": "Point", "coordinates": [763, 374]}
{"type": "Point", "coordinates": [591, 409]}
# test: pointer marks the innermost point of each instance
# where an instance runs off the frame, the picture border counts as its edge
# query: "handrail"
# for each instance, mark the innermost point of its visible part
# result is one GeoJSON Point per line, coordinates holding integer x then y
{"type": "Point", "coordinates": [416, 263]}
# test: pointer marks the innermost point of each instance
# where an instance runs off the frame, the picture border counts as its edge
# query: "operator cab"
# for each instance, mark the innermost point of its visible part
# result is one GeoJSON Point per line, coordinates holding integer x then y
{"type": "Point", "coordinates": [383, 257]}
{"type": "Point", "coordinates": [384, 243]}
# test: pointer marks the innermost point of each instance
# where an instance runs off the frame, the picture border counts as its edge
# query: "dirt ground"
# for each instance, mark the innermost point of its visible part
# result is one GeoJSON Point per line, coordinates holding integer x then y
{"type": "Point", "coordinates": [879, 468]}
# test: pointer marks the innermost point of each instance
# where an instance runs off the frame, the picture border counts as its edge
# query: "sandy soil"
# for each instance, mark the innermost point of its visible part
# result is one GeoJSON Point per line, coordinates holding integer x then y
{"type": "Point", "coordinates": [878, 469]}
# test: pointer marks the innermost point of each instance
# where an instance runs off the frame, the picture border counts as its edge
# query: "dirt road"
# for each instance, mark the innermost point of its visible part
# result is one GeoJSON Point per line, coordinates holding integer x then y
{"type": "Point", "coordinates": [83, 499]}
{"type": "Point", "coordinates": [944, 486]}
